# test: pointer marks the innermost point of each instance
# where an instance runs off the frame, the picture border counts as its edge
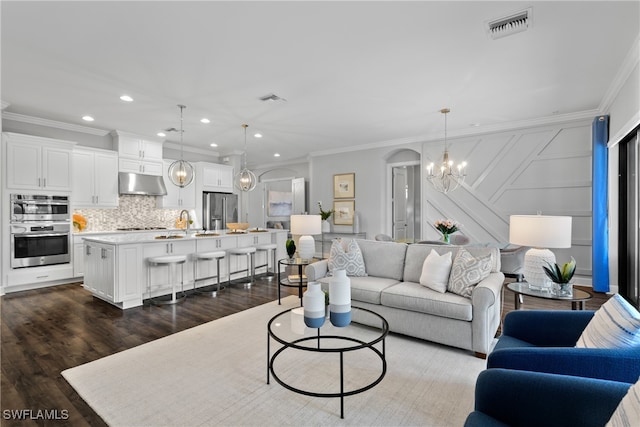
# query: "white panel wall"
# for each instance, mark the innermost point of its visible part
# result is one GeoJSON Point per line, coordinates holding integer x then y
{"type": "Point", "coordinates": [524, 171]}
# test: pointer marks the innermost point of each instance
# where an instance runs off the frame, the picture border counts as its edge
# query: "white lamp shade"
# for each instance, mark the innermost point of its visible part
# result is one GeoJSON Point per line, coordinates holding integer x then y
{"type": "Point", "coordinates": [306, 224]}
{"type": "Point", "coordinates": [540, 231]}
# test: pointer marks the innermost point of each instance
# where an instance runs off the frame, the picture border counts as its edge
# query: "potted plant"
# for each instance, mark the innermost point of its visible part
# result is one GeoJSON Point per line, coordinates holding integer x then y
{"type": "Point", "coordinates": [324, 216]}
{"type": "Point", "coordinates": [561, 277]}
{"type": "Point", "coordinates": [291, 247]}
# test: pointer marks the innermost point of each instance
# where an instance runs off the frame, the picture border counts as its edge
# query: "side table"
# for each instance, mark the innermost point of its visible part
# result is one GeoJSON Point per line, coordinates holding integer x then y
{"type": "Point", "coordinates": [522, 288]}
{"type": "Point", "coordinates": [293, 282]}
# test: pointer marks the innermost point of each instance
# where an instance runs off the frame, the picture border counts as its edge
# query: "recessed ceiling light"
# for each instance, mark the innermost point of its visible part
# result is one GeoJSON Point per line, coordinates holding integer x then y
{"type": "Point", "coordinates": [161, 134]}
{"type": "Point", "coordinates": [205, 120]}
{"type": "Point", "coordinates": [257, 135]}
{"type": "Point", "coordinates": [213, 144]}
{"type": "Point", "coordinates": [88, 118]}
{"type": "Point", "coordinates": [276, 155]}
{"type": "Point", "coordinates": [126, 98]}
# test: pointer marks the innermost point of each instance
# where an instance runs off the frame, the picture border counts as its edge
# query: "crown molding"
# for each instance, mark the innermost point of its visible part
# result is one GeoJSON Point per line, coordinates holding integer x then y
{"type": "Point", "coordinates": [628, 65]}
{"type": "Point", "coordinates": [474, 131]}
{"type": "Point", "coordinates": [6, 115]}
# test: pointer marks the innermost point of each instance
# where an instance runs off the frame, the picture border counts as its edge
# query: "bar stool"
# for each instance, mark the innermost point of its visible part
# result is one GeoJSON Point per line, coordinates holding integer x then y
{"type": "Point", "coordinates": [249, 252]}
{"type": "Point", "coordinates": [171, 261]}
{"type": "Point", "coordinates": [207, 256]}
{"type": "Point", "coordinates": [268, 248]}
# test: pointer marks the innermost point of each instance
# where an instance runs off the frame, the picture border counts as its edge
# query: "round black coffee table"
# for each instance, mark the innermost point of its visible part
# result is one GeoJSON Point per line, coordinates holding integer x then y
{"type": "Point", "coordinates": [289, 330]}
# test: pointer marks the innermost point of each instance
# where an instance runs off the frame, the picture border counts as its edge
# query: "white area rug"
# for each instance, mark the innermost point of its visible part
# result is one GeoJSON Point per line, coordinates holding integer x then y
{"type": "Point", "coordinates": [215, 374]}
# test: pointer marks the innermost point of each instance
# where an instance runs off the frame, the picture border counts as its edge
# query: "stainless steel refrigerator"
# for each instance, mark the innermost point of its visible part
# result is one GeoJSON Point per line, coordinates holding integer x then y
{"type": "Point", "coordinates": [218, 209]}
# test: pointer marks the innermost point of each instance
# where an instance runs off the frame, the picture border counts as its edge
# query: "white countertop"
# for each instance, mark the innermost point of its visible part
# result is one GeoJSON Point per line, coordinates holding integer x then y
{"type": "Point", "coordinates": [151, 236]}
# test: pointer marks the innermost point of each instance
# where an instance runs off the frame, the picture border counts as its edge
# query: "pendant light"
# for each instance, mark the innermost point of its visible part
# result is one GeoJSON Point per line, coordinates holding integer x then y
{"type": "Point", "coordinates": [449, 177]}
{"type": "Point", "coordinates": [181, 172]}
{"type": "Point", "coordinates": [245, 180]}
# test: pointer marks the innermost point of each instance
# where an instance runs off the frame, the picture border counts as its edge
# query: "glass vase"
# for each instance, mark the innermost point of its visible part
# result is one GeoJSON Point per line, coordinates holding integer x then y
{"type": "Point", "coordinates": [446, 238]}
{"type": "Point", "coordinates": [563, 289]}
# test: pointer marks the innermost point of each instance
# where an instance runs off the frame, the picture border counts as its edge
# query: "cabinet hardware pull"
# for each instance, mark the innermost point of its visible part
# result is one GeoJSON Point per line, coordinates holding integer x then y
{"type": "Point", "coordinates": [44, 182]}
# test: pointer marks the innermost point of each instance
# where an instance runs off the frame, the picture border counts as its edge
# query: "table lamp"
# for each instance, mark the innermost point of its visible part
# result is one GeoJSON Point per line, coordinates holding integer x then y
{"type": "Point", "coordinates": [304, 226]}
{"type": "Point", "coordinates": [540, 232]}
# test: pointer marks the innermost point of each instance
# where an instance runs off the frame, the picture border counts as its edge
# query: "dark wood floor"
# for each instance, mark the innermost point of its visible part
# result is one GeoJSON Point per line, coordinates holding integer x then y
{"type": "Point", "coordinates": [49, 330]}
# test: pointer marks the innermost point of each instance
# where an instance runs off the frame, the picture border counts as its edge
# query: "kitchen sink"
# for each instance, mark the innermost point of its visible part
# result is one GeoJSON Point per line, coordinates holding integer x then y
{"type": "Point", "coordinates": [175, 236]}
{"type": "Point", "coordinates": [206, 234]}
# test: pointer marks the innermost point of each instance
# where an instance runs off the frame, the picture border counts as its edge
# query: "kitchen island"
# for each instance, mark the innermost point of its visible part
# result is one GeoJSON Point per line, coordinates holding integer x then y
{"type": "Point", "coordinates": [115, 268]}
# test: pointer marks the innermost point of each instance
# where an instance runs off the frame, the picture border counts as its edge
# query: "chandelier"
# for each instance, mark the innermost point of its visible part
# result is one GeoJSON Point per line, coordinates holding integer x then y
{"type": "Point", "coordinates": [449, 176]}
{"type": "Point", "coordinates": [181, 172]}
{"type": "Point", "coordinates": [245, 180]}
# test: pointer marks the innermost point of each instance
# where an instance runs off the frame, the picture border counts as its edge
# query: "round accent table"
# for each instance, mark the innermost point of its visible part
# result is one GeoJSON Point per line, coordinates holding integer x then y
{"type": "Point", "coordinates": [323, 350]}
{"type": "Point", "coordinates": [522, 288]}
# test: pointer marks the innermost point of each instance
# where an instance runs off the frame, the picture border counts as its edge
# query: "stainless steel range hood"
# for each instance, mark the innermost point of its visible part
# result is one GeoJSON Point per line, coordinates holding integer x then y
{"type": "Point", "coordinates": [135, 183]}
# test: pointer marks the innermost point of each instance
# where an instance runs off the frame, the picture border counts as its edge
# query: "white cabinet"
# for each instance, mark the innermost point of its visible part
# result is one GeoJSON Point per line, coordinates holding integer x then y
{"type": "Point", "coordinates": [213, 244]}
{"type": "Point", "coordinates": [95, 178]}
{"type": "Point", "coordinates": [114, 273]}
{"type": "Point", "coordinates": [177, 198]}
{"type": "Point", "coordinates": [215, 177]}
{"type": "Point", "coordinates": [35, 163]}
{"type": "Point", "coordinates": [99, 270]}
{"type": "Point", "coordinates": [138, 155]}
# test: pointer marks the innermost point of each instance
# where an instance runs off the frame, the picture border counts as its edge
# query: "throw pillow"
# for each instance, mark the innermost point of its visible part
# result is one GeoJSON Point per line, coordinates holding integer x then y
{"type": "Point", "coordinates": [628, 411]}
{"type": "Point", "coordinates": [435, 271]}
{"type": "Point", "coordinates": [346, 255]}
{"type": "Point", "coordinates": [616, 324]}
{"type": "Point", "coordinates": [467, 271]}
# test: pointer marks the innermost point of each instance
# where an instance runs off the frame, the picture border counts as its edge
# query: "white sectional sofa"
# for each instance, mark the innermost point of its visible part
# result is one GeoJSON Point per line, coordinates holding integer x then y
{"type": "Point", "coordinates": [391, 288]}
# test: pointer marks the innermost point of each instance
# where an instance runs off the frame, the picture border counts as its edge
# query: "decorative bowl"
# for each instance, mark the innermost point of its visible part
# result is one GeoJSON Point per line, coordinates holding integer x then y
{"type": "Point", "coordinates": [237, 226]}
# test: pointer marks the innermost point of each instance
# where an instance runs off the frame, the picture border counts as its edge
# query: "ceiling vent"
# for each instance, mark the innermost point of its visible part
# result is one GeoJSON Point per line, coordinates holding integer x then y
{"type": "Point", "coordinates": [510, 24]}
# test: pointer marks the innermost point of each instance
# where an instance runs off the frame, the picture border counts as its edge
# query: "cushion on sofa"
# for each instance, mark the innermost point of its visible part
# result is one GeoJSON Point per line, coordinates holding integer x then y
{"type": "Point", "coordinates": [415, 297]}
{"type": "Point", "coordinates": [435, 271]}
{"type": "Point", "coordinates": [628, 411]}
{"type": "Point", "coordinates": [616, 324]}
{"type": "Point", "coordinates": [383, 259]}
{"type": "Point", "coordinates": [369, 289]}
{"type": "Point", "coordinates": [365, 289]}
{"type": "Point", "coordinates": [467, 271]}
{"type": "Point", "coordinates": [346, 255]}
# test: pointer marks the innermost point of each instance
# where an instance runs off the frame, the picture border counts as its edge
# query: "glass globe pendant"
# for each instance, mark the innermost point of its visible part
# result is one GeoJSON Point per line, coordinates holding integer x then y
{"type": "Point", "coordinates": [180, 171]}
{"type": "Point", "coordinates": [245, 179]}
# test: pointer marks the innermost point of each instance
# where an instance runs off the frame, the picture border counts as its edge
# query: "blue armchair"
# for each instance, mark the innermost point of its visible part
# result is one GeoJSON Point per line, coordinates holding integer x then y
{"type": "Point", "coordinates": [544, 341]}
{"type": "Point", "coordinates": [506, 397]}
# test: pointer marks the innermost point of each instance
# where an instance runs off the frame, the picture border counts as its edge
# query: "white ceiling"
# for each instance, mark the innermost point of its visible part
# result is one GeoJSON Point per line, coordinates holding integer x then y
{"type": "Point", "coordinates": [353, 73]}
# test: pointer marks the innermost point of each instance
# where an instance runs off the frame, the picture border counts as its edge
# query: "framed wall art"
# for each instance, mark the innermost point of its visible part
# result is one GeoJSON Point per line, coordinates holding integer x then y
{"type": "Point", "coordinates": [344, 186]}
{"type": "Point", "coordinates": [344, 210]}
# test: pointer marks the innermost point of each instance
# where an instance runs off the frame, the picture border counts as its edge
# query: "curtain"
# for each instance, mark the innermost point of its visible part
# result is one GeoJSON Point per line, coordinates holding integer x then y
{"type": "Point", "coordinates": [600, 221]}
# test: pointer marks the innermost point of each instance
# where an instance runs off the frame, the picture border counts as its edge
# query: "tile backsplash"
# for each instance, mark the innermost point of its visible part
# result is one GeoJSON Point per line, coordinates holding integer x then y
{"type": "Point", "coordinates": [133, 211]}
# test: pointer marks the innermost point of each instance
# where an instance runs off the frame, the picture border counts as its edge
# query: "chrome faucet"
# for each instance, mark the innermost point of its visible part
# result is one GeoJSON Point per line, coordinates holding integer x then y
{"type": "Point", "coordinates": [183, 211]}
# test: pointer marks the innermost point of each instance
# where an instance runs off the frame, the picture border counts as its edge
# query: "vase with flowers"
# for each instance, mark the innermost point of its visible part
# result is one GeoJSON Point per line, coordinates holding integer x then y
{"type": "Point", "coordinates": [324, 216]}
{"type": "Point", "coordinates": [561, 277]}
{"type": "Point", "coordinates": [446, 227]}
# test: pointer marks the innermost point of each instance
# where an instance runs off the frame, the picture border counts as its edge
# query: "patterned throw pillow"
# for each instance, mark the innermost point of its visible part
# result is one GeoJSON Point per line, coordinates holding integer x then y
{"type": "Point", "coordinates": [467, 271]}
{"type": "Point", "coordinates": [616, 324]}
{"type": "Point", "coordinates": [435, 271]}
{"type": "Point", "coordinates": [627, 413]}
{"type": "Point", "coordinates": [346, 255]}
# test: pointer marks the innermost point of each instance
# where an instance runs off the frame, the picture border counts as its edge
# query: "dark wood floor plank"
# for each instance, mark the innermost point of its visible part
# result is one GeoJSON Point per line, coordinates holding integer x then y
{"type": "Point", "coordinates": [46, 331]}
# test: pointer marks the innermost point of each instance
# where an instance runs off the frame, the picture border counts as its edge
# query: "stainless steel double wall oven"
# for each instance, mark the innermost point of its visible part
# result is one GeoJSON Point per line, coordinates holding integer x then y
{"type": "Point", "coordinates": [40, 230]}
